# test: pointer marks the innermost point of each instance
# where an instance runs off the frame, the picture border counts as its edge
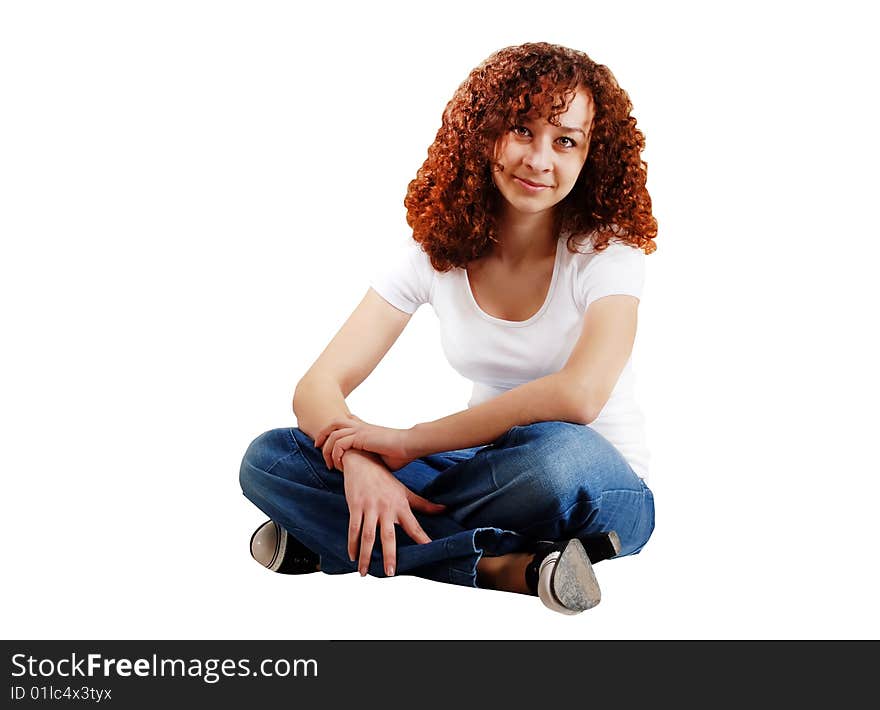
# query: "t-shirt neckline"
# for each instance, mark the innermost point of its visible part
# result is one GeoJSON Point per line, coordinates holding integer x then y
{"type": "Point", "coordinates": [537, 314]}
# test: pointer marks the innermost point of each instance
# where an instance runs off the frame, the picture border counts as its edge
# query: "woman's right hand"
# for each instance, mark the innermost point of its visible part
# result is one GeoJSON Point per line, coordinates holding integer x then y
{"type": "Point", "coordinates": [377, 499]}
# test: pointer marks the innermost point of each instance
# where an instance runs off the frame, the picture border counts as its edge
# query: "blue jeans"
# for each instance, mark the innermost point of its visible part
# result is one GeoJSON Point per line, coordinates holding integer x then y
{"type": "Point", "coordinates": [546, 481]}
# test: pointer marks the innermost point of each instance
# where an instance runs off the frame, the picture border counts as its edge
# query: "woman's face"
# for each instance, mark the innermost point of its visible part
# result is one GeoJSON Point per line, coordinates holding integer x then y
{"type": "Point", "coordinates": [542, 161]}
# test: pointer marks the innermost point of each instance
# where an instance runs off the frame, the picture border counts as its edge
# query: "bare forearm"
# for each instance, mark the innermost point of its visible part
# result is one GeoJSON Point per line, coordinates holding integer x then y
{"type": "Point", "coordinates": [316, 402]}
{"type": "Point", "coordinates": [548, 398]}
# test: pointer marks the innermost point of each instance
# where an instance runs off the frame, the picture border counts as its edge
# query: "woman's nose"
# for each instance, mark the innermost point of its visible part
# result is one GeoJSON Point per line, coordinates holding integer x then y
{"type": "Point", "coordinates": [539, 156]}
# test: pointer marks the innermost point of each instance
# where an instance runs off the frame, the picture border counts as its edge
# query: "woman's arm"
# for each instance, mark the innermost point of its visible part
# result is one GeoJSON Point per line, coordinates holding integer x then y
{"type": "Point", "coordinates": [317, 400]}
{"type": "Point", "coordinates": [548, 398]}
{"type": "Point", "coordinates": [352, 354]}
{"type": "Point", "coordinates": [576, 393]}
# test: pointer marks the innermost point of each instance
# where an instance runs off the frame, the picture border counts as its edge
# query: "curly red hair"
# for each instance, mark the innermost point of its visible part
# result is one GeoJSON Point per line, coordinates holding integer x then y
{"type": "Point", "coordinates": [452, 202]}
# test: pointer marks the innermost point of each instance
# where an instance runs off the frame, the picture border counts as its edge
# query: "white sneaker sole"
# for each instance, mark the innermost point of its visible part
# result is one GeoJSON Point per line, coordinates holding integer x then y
{"type": "Point", "coordinates": [281, 549]}
{"type": "Point", "coordinates": [566, 581]}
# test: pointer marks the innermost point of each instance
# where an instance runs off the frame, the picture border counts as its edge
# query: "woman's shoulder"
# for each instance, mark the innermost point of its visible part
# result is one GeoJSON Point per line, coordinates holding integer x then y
{"type": "Point", "coordinates": [403, 275]}
{"type": "Point", "coordinates": [405, 252]}
{"type": "Point", "coordinates": [585, 254]}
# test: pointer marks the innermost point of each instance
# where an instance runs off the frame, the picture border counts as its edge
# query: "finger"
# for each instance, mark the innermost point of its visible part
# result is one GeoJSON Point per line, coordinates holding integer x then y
{"type": "Point", "coordinates": [324, 451]}
{"type": "Point", "coordinates": [341, 446]}
{"type": "Point", "coordinates": [423, 505]}
{"type": "Point", "coordinates": [329, 446]}
{"type": "Point", "coordinates": [412, 528]}
{"type": "Point", "coordinates": [368, 538]}
{"type": "Point", "coordinates": [389, 545]}
{"type": "Point", "coordinates": [335, 424]}
{"type": "Point", "coordinates": [322, 435]}
{"type": "Point", "coordinates": [355, 517]}
{"type": "Point", "coordinates": [327, 450]}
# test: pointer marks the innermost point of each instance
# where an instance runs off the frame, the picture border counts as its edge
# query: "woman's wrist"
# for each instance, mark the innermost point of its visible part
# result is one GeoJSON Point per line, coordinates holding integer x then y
{"type": "Point", "coordinates": [415, 441]}
{"type": "Point", "coordinates": [361, 455]}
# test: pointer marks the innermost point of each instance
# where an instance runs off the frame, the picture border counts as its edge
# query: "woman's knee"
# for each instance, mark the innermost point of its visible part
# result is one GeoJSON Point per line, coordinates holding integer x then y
{"type": "Point", "coordinates": [642, 525]}
{"type": "Point", "coordinates": [532, 471]}
{"type": "Point", "coordinates": [281, 457]}
{"type": "Point", "coordinates": [262, 455]}
{"type": "Point", "coordinates": [561, 464]}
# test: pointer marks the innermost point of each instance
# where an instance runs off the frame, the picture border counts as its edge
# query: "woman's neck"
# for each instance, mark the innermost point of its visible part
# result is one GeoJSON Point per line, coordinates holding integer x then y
{"type": "Point", "coordinates": [525, 239]}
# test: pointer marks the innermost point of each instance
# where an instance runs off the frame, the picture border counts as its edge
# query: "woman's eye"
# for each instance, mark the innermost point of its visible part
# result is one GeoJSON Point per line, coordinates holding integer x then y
{"type": "Point", "coordinates": [524, 132]}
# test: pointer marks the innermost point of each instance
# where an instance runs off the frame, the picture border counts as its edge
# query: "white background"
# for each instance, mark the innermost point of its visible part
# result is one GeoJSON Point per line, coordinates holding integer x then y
{"type": "Point", "coordinates": [192, 195]}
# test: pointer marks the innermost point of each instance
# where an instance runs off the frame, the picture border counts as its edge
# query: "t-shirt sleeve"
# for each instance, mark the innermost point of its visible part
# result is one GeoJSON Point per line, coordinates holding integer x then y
{"type": "Point", "coordinates": [404, 278]}
{"type": "Point", "coordinates": [618, 270]}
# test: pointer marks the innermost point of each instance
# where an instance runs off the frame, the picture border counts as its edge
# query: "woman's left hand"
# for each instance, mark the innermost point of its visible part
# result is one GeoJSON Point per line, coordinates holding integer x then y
{"type": "Point", "coordinates": [354, 433]}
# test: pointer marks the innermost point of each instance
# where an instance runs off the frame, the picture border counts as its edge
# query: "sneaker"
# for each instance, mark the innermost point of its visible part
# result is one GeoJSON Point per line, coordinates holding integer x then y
{"type": "Point", "coordinates": [276, 549]}
{"type": "Point", "coordinates": [600, 547]}
{"type": "Point", "coordinates": [562, 576]}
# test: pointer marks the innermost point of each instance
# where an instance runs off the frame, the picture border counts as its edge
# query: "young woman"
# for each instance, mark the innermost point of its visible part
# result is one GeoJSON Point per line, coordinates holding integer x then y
{"type": "Point", "coordinates": [531, 222]}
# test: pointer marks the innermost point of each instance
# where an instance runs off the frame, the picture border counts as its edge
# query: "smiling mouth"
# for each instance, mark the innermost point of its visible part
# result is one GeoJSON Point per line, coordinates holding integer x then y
{"type": "Point", "coordinates": [530, 185]}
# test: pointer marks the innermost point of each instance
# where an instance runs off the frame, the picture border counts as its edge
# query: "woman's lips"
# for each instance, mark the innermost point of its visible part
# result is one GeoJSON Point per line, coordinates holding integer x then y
{"type": "Point", "coordinates": [529, 186]}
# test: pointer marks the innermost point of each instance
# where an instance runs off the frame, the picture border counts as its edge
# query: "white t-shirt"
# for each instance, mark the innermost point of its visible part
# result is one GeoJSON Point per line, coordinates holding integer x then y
{"type": "Point", "coordinates": [498, 355]}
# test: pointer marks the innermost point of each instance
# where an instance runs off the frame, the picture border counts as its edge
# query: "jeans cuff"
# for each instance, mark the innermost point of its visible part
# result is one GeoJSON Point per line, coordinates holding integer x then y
{"type": "Point", "coordinates": [466, 549]}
